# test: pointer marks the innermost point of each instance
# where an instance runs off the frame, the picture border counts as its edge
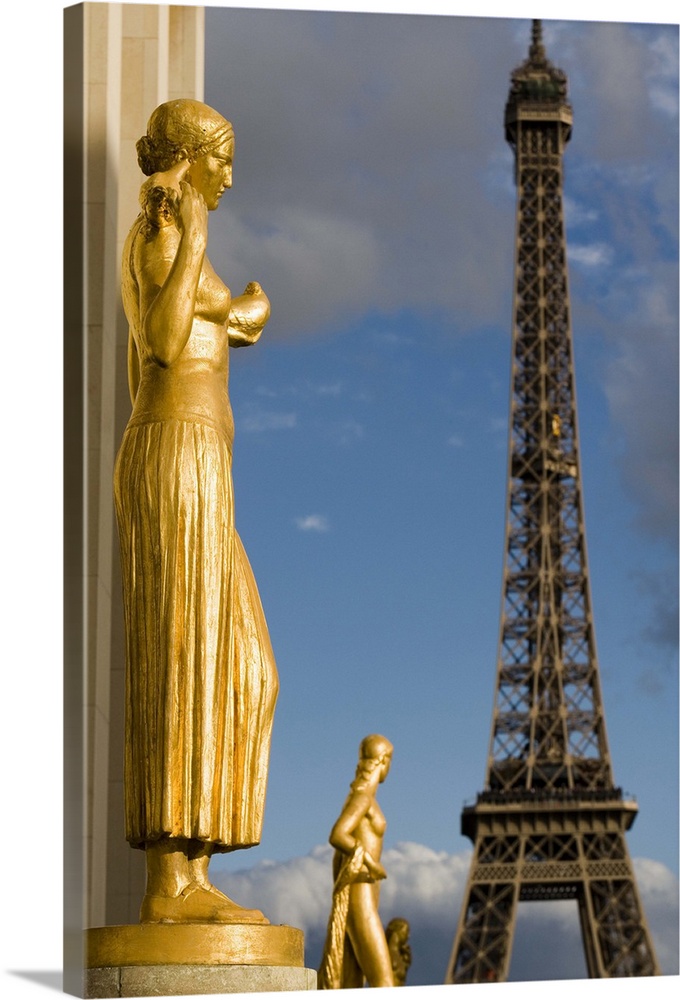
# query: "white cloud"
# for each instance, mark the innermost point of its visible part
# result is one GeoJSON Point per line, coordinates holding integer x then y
{"type": "Point", "coordinates": [659, 892]}
{"type": "Point", "coordinates": [663, 82]}
{"type": "Point", "coordinates": [359, 185]}
{"type": "Point", "coordinates": [577, 214]}
{"type": "Point", "coordinates": [349, 431]}
{"type": "Point", "coordinates": [590, 255]}
{"type": "Point", "coordinates": [392, 338]}
{"type": "Point", "coordinates": [267, 421]}
{"type": "Point", "coordinates": [266, 391]}
{"type": "Point", "coordinates": [426, 887]}
{"type": "Point", "coordinates": [314, 266]}
{"type": "Point", "coordinates": [313, 522]}
{"type": "Point", "coordinates": [642, 392]}
{"type": "Point", "coordinates": [377, 181]}
{"type": "Point", "coordinates": [661, 590]}
{"type": "Point", "coordinates": [295, 892]}
{"type": "Point", "coordinates": [328, 389]}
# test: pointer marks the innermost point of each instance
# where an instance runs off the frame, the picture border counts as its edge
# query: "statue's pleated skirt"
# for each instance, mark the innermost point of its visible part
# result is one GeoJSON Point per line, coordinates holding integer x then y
{"type": "Point", "coordinates": [201, 680]}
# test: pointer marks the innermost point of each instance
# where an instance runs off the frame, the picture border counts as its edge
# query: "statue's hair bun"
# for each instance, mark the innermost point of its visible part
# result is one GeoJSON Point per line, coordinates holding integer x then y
{"type": "Point", "coordinates": [147, 155]}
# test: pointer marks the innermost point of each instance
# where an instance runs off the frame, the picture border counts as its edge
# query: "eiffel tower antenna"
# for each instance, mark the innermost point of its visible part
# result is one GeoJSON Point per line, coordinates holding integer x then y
{"type": "Point", "coordinates": [550, 823]}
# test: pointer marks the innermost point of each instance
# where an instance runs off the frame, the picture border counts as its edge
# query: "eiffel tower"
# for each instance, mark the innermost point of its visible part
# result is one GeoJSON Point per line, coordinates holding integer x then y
{"type": "Point", "coordinates": [550, 823]}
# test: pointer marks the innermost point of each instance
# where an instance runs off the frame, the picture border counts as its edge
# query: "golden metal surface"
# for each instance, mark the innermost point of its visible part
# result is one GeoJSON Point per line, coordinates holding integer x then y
{"type": "Point", "coordinates": [201, 681]}
{"type": "Point", "coordinates": [397, 934]}
{"type": "Point", "coordinates": [356, 947]}
{"type": "Point", "coordinates": [197, 944]}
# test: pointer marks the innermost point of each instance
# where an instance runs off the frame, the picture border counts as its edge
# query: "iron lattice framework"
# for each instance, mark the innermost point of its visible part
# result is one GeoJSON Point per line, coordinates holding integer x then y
{"type": "Point", "coordinates": [550, 824]}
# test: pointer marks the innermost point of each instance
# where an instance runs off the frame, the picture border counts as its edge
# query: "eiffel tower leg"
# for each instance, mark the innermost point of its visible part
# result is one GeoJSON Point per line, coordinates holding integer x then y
{"type": "Point", "coordinates": [483, 945]}
{"type": "Point", "coordinates": [616, 938]}
{"type": "Point", "coordinates": [621, 944]}
{"type": "Point", "coordinates": [588, 935]}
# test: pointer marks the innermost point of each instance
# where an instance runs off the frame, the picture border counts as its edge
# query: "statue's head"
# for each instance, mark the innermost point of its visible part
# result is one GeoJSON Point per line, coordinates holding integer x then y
{"type": "Point", "coordinates": [398, 928]}
{"type": "Point", "coordinates": [182, 130]}
{"type": "Point", "coordinates": [187, 140]}
{"type": "Point", "coordinates": [375, 751]}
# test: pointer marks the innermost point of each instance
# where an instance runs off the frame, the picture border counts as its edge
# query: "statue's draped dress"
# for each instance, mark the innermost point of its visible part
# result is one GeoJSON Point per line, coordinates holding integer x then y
{"type": "Point", "coordinates": [201, 680]}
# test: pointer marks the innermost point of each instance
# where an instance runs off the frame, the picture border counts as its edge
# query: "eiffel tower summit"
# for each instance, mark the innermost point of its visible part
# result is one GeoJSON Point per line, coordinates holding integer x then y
{"type": "Point", "coordinates": [550, 823]}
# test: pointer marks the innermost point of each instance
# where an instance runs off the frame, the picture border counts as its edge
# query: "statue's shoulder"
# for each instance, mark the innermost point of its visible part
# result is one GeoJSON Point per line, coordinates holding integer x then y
{"type": "Point", "coordinates": [154, 237]}
{"type": "Point", "coordinates": [160, 205]}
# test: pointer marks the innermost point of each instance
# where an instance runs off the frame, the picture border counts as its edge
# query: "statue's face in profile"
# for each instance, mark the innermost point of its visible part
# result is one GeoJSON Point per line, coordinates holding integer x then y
{"type": "Point", "coordinates": [386, 766]}
{"type": "Point", "coordinates": [210, 175]}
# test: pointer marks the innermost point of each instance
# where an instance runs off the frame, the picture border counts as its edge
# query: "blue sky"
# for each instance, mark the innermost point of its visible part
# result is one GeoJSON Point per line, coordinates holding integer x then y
{"type": "Point", "coordinates": [373, 199]}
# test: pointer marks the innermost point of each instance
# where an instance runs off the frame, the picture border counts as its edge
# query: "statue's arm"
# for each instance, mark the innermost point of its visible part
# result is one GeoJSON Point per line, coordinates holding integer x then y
{"type": "Point", "coordinates": [343, 835]}
{"type": "Point", "coordinates": [168, 276]}
{"type": "Point", "coordinates": [133, 367]}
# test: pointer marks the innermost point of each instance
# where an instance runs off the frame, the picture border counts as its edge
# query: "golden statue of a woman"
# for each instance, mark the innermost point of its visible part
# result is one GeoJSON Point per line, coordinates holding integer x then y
{"type": "Point", "coordinates": [201, 680]}
{"type": "Point", "coordinates": [397, 935]}
{"type": "Point", "coordinates": [356, 947]}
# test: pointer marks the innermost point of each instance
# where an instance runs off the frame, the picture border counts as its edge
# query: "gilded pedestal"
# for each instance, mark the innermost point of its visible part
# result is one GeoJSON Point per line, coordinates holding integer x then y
{"type": "Point", "coordinates": [187, 959]}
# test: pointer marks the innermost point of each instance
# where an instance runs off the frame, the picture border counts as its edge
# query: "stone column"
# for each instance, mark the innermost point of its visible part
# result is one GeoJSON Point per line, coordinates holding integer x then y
{"type": "Point", "coordinates": [121, 61]}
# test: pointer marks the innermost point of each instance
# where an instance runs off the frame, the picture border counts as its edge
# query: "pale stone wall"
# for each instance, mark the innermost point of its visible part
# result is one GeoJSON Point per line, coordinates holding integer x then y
{"type": "Point", "coordinates": [134, 57]}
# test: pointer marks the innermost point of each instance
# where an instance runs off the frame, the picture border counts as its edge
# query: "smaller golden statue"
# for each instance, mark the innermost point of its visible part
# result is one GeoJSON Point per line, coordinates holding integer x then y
{"type": "Point", "coordinates": [397, 933]}
{"type": "Point", "coordinates": [356, 948]}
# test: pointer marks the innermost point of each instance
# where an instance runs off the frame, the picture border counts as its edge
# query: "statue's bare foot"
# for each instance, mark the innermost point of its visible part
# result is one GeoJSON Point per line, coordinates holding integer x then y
{"type": "Point", "coordinates": [197, 905]}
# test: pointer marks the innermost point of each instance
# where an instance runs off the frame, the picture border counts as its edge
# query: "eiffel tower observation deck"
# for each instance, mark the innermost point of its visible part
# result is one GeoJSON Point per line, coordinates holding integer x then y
{"type": "Point", "coordinates": [550, 823]}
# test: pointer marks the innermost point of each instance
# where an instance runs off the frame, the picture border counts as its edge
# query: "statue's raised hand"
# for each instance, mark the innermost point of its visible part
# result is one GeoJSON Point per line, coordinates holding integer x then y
{"type": "Point", "coordinates": [193, 215]}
